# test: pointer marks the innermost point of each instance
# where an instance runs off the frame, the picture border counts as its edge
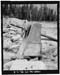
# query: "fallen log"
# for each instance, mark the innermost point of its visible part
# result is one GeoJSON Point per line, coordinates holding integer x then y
{"type": "Point", "coordinates": [18, 26]}
{"type": "Point", "coordinates": [49, 38]}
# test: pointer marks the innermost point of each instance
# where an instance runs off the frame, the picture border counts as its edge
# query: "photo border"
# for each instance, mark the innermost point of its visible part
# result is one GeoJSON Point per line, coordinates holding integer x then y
{"type": "Point", "coordinates": [30, 71]}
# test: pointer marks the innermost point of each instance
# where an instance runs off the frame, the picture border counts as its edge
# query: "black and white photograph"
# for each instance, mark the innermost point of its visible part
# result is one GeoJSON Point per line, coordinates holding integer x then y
{"type": "Point", "coordinates": [29, 37]}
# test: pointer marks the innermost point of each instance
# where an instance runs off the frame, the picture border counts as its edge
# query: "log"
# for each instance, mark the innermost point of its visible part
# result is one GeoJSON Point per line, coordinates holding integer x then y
{"type": "Point", "coordinates": [49, 38]}
{"type": "Point", "coordinates": [18, 26]}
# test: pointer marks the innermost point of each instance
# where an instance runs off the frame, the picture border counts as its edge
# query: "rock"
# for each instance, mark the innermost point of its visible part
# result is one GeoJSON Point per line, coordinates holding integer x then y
{"type": "Point", "coordinates": [17, 37]}
{"type": "Point", "coordinates": [55, 52]}
{"type": "Point", "coordinates": [33, 41]}
{"type": "Point", "coordinates": [19, 65]}
{"type": "Point", "coordinates": [14, 46]}
{"type": "Point", "coordinates": [5, 30]}
{"type": "Point", "coordinates": [32, 50]}
{"type": "Point", "coordinates": [6, 43]}
{"type": "Point", "coordinates": [28, 65]}
{"type": "Point", "coordinates": [28, 50]}
{"type": "Point", "coordinates": [8, 65]}
{"type": "Point", "coordinates": [8, 55]}
{"type": "Point", "coordinates": [37, 65]}
{"type": "Point", "coordinates": [21, 50]}
{"type": "Point", "coordinates": [34, 34]}
{"type": "Point", "coordinates": [6, 22]}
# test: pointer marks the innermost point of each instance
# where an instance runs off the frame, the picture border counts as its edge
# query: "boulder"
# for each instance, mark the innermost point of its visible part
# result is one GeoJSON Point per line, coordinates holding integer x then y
{"type": "Point", "coordinates": [34, 34]}
{"type": "Point", "coordinates": [8, 55]}
{"type": "Point", "coordinates": [6, 43]}
{"type": "Point", "coordinates": [32, 50]}
{"type": "Point", "coordinates": [31, 44]}
{"type": "Point", "coordinates": [28, 65]}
